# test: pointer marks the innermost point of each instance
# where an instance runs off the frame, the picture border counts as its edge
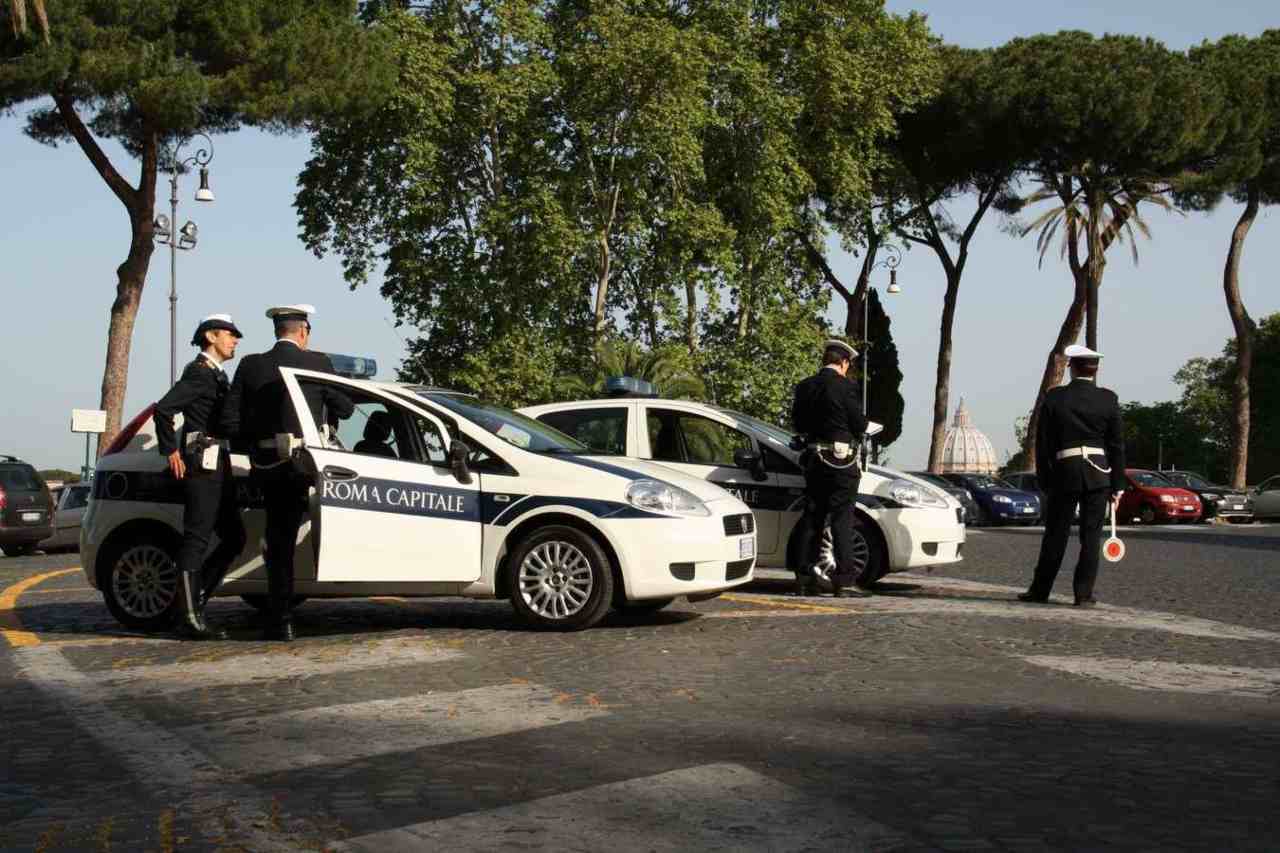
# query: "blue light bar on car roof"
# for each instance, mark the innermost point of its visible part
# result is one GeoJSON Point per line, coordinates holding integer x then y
{"type": "Point", "coordinates": [629, 386]}
{"type": "Point", "coordinates": [353, 367]}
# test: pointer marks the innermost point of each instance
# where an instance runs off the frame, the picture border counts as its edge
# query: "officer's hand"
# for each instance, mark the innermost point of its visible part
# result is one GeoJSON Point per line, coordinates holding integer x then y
{"type": "Point", "coordinates": [1116, 496]}
{"type": "Point", "coordinates": [176, 465]}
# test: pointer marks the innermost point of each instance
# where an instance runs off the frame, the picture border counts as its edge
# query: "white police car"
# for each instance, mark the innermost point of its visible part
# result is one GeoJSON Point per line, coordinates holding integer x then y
{"type": "Point", "coordinates": [424, 492]}
{"type": "Point", "coordinates": [902, 522]}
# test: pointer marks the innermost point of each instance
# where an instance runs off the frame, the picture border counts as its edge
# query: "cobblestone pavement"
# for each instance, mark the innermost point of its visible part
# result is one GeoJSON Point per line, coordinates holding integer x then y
{"type": "Point", "coordinates": [938, 715]}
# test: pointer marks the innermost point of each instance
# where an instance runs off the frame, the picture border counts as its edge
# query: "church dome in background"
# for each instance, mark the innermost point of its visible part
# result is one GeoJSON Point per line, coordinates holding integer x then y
{"type": "Point", "coordinates": [966, 450]}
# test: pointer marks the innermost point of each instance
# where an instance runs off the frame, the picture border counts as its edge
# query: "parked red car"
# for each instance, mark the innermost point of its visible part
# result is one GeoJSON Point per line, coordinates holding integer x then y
{"type": "Point", "coordinates": [1151, 498]}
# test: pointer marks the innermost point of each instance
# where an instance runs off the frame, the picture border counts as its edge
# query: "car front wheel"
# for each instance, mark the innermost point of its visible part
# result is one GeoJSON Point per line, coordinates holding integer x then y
{"type": "Point", "coordinates": [561, 579]}
{"type": "Point", "coordinates": [140, 583]}
{"type": "Point", "coordinates": [1147, 514]}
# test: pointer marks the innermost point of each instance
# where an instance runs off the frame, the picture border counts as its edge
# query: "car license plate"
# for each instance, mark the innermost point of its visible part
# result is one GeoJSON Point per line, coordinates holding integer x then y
{"type": "Point", "coordinates": [31, 516]}
{"type": "Point", "coordinates": [1237, 506]}
{"type": "Point", "coordinates": [747, 547]}
{"type": "Point", "coordinates": [1028, 509]}
{"type": "Point", "coordinates": [1189, 508]}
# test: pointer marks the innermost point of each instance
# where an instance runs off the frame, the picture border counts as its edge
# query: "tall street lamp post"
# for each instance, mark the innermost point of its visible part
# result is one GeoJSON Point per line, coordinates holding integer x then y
{"type": "Point", "coordinates": [183, 238]}
{"type": "Point", "coordinates": [891, 263]}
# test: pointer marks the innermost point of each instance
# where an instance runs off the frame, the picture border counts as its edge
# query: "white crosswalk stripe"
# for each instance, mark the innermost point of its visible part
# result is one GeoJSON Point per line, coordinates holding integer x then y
{"type": "Point", "coordinates": [324, 735]}
{"type": "Point", "coordinates": [709, 807]}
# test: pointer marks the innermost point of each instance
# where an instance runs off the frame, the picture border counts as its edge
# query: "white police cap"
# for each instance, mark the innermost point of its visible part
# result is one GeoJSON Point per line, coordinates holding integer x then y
{"type": "Point", "coordinates": [835, 343]}
{"type": "Point", "coordinates": [290, 312]}
{"type": "Point", "coordinates": [212, 323]}
{"type": "Point", "coordinates": [1076, 351]}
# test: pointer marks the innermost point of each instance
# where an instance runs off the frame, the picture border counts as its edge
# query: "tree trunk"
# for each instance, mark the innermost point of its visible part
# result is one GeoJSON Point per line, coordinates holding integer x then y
{"type": "Point", "coordinates": [744, 300]}
{"type": "Point", "coordinates": [691, 315]}
{"type": "Point", "coordinates": [1055, 365]}
{"type": "Point", "coordinates": [942, 382]}
{"type": "Point", "coordinates": [1244, 328]}
{"type": "Point", "coordinates": [1094, 266]}
{"type": "Point", "coordinates": [602, 284]}
{"type": "Point", "coordinates": [130, 278]}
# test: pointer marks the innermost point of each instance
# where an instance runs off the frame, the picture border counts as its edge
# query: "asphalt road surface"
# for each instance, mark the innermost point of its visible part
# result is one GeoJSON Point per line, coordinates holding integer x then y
{"type": "Point", "coordinates": [938, 715]}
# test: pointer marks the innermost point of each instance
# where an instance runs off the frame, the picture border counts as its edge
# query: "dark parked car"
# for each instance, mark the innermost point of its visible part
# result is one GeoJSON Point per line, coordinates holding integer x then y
{"type": "Point", "coordinates": [967, 502]}
{"type": "Point", "coordinates": [1216, 501]}
{"type": "Point", "coordinates": [998, 501]}
{"type": "Point", "coordinates": [26, 507]}
{"type": "Point", "coordinates": [1024, 481]}
{"type": "Point", "coordinates": [1266, 498]}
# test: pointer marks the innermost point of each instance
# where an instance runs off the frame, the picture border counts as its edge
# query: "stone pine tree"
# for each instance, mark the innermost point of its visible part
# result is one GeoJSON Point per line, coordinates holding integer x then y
{"type": "Point", "coordinates": [148, 74]}
{"type": "Point", "coordinates": [1119, 120]}
{"type": "Point", "coordinates": [965, 143]}
{"type": "Point", "coordinates": [885, 405]}
{"type": "Point", "coordinates": [1246, 168]}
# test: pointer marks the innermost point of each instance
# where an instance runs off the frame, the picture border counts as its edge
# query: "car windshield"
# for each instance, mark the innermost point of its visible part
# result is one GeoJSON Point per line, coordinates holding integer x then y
{"type": "Point", "coordinates": [1191, 481]}
{"type": "Point", "coordinates": [933, 478]}
{"type": "Point", "coordinates": [512, 427]}
{"type": "Point", "coordinates": [19, 478]}
{"type": "Point", "coordinates": [773, 433]}
{"type": "Point", "coordinates": [1150, 479]}
{"type": "Point", "coordinates": [982, 481]}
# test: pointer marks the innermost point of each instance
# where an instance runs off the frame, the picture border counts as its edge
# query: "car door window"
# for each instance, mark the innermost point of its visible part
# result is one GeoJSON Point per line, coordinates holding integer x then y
{"type": "Point", "coordinates": [76, 499]}
{"type": "Point", "coordinates": [604, 430]}
{"type": "Point", "coordinates": [380, 428]}
{"type": "Point", "coordinates": [693, 439]}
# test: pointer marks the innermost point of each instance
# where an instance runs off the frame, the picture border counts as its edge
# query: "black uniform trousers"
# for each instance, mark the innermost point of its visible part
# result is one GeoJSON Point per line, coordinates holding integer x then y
{"type": "Point", "coordinates": [209, 506]}
{"type": "Point", "coordinates": [1059, 512]}
{"type": "Point", "coordinates": [829, 497]}
{"type": "Point", "coordinates": [284, 493]}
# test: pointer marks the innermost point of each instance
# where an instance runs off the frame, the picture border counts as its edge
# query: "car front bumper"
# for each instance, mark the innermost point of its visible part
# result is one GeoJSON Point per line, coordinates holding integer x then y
{"type": "Point", "coordinates": [662, 558]}
{"type": "Point", "coordinates": [918, 536]}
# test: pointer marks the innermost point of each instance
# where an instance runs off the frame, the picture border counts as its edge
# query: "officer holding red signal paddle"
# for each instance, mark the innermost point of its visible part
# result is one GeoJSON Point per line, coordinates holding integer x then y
{"type": "Point", "coordinates": [1079, 462]}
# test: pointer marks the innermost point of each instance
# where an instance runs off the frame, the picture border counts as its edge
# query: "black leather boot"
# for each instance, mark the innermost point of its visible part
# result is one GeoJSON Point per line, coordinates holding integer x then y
{"type": "Point", "coordinates": [190, 619]}
{"type": "Point", "coordinates": [280, 628]}
{"type": "Point", "coordinates": [806, 586]}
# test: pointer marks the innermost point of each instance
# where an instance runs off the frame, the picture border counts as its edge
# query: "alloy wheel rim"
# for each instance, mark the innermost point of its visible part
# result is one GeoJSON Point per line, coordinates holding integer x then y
{"type": "Point", "coordinates": [145, 581]}
{"type": "Point", "coordinates": [861, 557]}
{"type": "Point", "coordinates": [556, 580]}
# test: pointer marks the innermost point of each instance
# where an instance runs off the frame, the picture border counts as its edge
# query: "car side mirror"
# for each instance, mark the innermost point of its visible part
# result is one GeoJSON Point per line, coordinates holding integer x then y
{"type": "Point", "coordinates": [749, 459]}
{"type": "Point", "coordinates": [458, 453]}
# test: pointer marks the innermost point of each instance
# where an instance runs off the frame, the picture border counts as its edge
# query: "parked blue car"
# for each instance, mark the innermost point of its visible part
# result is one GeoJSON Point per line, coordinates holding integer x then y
{"type": "Point", "coordinates": [998, 501]}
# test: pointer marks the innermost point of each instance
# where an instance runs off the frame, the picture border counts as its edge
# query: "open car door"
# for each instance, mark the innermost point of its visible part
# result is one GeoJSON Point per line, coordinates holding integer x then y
{"type": "Point", "coordinates": [390, 509]}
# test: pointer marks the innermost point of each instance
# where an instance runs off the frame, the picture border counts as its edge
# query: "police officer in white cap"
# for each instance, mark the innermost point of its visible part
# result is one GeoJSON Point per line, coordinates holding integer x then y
{"type": "Point", "coordinates": [826, 412]}
{"type": "Point", "coordinates": [259, 413]}
{"type": "Point", "coordinates": [1079, 462]}
{"type": "Point", "coordinates": [199, 458]}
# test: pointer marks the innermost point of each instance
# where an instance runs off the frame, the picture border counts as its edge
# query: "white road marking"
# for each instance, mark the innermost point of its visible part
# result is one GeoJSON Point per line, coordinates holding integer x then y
{"type": "Point", "coordinates": [341, 733]}
{"type": "Point", "coordinates": [1170, 676]}
{"type": "Point", "coordinates": [270, 664]}
{"type": "Point", "coordinates": [999, 601]}
{"type": "Point", "coordinates": [711, 807]}
{"type": "Point", "coordinates": [157, 758]}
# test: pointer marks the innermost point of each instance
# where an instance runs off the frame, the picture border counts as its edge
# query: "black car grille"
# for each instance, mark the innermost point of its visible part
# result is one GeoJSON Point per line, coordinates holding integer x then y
{"type": "Point", "coordinates": [737, 569]}
{"type": "Point", "coordinates": [737, 525]}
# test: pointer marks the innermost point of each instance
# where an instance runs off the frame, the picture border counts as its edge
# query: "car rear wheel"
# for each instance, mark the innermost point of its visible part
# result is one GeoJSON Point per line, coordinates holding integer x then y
{"type": "Point", "coordinates": [140, 583]}
{"type": "Point", "coordinates": [561, 579]}
{"type": "Point", "coordinates": [1147, 514]}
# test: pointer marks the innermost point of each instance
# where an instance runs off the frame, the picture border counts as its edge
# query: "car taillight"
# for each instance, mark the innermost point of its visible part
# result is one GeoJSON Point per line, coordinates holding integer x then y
{"type": "Point", "coordinates": [4, 499]}
{"type": "Point", "coordinates": [126, 435]}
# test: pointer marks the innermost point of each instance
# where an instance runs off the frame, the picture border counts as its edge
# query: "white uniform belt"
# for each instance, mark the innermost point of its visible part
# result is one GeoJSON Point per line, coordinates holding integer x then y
{"type": "Point", "coordinates": [1081, 451]}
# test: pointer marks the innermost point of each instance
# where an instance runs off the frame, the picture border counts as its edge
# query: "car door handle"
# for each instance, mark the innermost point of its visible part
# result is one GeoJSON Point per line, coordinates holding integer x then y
{"type": "Point", "coordinates": [333, 472]}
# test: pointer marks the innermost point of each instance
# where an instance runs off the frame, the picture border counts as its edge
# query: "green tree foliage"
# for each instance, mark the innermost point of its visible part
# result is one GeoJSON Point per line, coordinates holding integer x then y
{"type": "Point", "coordinates": [1245, 167]}
{"type": "Point", "coordinates": [582, 172]}
{"type": "Point", "coordinates": [147, 73]}
{"type": "Point", "coordinates": [1168, 434]}
{"type": "Point", "coordinates": [1114, 122]}
{"type": "Point", "coordinates": [884, 395]}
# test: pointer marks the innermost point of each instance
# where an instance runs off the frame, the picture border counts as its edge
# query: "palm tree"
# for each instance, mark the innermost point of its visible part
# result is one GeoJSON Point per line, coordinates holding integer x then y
{"type": "Point", "coordinates": [18, 15]}
{"type": "Point", "coordinates": [1095, 210]}
{"type": "Point", "coordinates": [666, 367]}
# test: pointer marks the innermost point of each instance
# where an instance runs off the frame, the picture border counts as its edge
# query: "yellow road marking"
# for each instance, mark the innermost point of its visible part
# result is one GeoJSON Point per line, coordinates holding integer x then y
{"type": "Point", "coordinates": [10, 624]}
{"type": "Point", "coordinates": [780, 603]}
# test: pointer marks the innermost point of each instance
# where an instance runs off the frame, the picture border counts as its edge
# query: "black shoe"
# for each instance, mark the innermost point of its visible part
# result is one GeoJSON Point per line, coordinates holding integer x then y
{"type": "Point", "coordinates": [1086, 602]}
{"type": "Point", "coordinates": [281, 630]}
{"type": "Point", "coordinates": [851, 592]}
{"type": "Point", "coordinates": [1033, 598]}
{"type": "Point", "coordinates": [190, 621]}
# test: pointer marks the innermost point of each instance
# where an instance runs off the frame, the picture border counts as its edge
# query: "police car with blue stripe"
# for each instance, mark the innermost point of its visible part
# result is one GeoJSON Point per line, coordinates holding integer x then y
{"type": "Point", "coordinates": [901, 521]}
{"type": "Point", "coordinates": [424, 492]}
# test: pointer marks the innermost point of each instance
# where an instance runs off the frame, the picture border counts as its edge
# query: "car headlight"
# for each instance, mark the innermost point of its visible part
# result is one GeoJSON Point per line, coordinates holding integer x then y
{"type": "Point", "coordinates": [908, 493]}
{"type": "Point", "coordinates": [1210, 496]}
{"type": "Point", "coordinates": [968, 494]}
{"type": "Point", "coordinates": [656, 496]}
{"type": "Point", "coordinates": [1169, 499]}
{"type": "Point", "coordinates": [1002, 499]}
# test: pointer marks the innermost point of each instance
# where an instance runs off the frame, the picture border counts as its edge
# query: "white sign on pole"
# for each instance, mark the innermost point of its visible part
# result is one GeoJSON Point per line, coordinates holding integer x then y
{"type": "Point", "coordinates": [88, 420]}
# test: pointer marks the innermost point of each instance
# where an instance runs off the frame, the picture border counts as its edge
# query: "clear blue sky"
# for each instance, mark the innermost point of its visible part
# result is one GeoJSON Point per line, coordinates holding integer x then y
{"type": "Point", "coordinates": [62, 234]}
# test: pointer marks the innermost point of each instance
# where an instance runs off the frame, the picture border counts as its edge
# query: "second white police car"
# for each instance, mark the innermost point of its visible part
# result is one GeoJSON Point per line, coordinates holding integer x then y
{"type": "Point", "coordinates": [901, 521]}
{"type": "Point", "coordinates": [424, 493]}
